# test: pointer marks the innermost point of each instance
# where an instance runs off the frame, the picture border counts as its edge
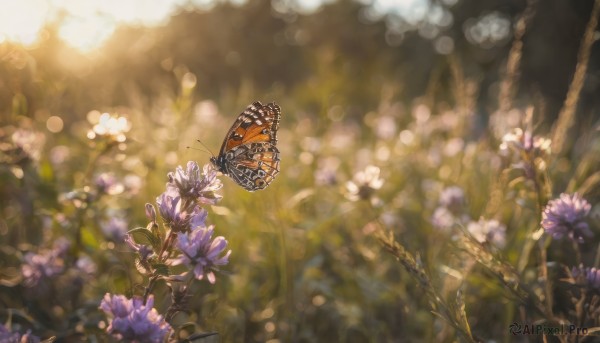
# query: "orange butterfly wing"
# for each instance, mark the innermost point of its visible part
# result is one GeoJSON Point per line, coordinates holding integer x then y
{"type": "Point", "coordinates": [249, 154]}
{"type": "Point", "coordinates": [257, 123]}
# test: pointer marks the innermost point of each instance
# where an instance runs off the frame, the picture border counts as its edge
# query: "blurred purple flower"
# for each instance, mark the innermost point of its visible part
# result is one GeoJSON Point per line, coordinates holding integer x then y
{"type": "Point", "coordinates": [61, 247]}
{"type": "Point", "coordinates": [30, 142]}
{"type": "Point", "coordinates": [15, 337]}
{"type": "Point", "coordinates": [453, 198]}
{"type": "Point", "coordinates": [450, 210]}
{"type": "Point", "coordinates": [191, 183]}
{"type": "Point", "coordinates": [59, 154]}
{"type": "Point", "coordinates": [115, 228]}
{"type": "Point", "coordinates": [518, 141]}
{"type": "Point", "coordinates": [565, 216]}
{"type": "Point", "coordinates": [132, 321]}
{"type": "Point", "coordinates": [86, 265]}
{"type": "Point", "coordinates": [132, 184]}
{"type": "Point", "coordinates": [590, 275]}
{"type": "Point", "coordinates": [107, 183]}
{"type": "Point", "coordinates": [488, 231]}
{"type": "Point", "coordinates": [442, 219]}
{"type": "Point", "coordinates": [201, 252]}
{"type": "Point", "coordinates": [326, 172]}
{"type": "Point", "coordinates": [177, 215]}
{"type": "Point", "coordinates": [7, 336]}
{"type": "Point", "coordinates": [38, 267]}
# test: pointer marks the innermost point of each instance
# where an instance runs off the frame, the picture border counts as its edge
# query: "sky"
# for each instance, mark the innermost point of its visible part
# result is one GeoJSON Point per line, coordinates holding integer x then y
{"type": "Point", "coordinates": [86, 24]}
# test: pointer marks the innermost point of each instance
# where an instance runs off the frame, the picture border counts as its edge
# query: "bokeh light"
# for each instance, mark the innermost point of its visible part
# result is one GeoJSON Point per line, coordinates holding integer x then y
{"type": "Point", "coordinates": [54, 124]}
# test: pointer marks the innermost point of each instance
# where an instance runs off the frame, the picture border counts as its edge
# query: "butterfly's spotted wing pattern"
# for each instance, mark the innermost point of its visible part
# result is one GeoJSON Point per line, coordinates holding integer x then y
{"type": "Point", "coordinates": [249, 153]}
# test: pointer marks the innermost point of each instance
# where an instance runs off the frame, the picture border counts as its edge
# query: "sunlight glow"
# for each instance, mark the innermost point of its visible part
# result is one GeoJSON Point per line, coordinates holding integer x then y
{"type": "Point", "coordinates": [86, 33]}
{"type": "Point", "coordinates": [408, 8]}
{"type": "Point", "coordinates": [82, 24]}
{"type": "Point", "coordinates": [21, 21]}
{"type": "Point", "coordinates": [85, 25]}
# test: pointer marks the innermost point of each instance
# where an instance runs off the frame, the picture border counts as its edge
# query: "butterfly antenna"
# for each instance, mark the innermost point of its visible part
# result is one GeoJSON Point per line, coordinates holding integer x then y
{"type": "Point", "coordinates": [203, 150]}
{"type": "Point", "coordinates": [207, 150]}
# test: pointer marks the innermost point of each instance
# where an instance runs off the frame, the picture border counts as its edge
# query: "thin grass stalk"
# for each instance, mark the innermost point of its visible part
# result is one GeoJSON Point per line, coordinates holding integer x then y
{"type": "Point", "coordinates": [507, 87]}
{"type": "Point", "coordinates": [455, 317]}
{"type": "Point", "coordinates": [567, 113]}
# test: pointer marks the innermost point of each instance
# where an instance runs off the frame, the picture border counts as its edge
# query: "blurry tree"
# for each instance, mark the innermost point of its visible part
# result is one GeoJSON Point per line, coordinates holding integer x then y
{"type": "Point", "coordinates": [339, 54]}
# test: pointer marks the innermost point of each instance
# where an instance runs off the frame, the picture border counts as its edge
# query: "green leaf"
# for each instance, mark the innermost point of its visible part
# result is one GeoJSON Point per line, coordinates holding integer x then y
{"type": "Point", "coordinates": [154, 240]}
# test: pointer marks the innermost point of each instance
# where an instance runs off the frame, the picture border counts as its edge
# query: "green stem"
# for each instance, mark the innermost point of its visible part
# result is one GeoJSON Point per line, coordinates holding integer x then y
{"type": "Point", "coordinates": [151, 283]}
{"type": "Point", "coordinates": [162, 257]}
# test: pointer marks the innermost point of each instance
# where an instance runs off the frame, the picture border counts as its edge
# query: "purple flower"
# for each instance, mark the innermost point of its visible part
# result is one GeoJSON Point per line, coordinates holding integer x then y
{"type": "Point", "coordinates": [201, 252]}
{"type": "Point", "coordinates": [193, 184]}
{"type": "Point", "coordinates": [7, 336]}
{"type": "Point", "coordinates": [565, 217]}
{"type": "Point", "coordinates": [15, 337]}
{"type": "Point", "coordinates": [442, 219]}
{"type": "Point", "coordinates": [326, 172]}
{"type": "Point", "coordinates": [86, 265]}
{"type": "Point", "coordinates": [450, 210]}
{"type": "Point", "coordinates": [151, 213]}
{"type": "Point", "coordinates": [115, 228]}
{"type": "Point", "coordinates": [590, 275]}
{"type": "Point", "coordinates": [452, 198]}
{"type": "Point", "coordinates": [30, 142]}
{"type": "Point", "coordinates": [60, 247]}
{"type": "Point", "coordinates": [108, 183]}
{"type": "Point", "coordinates": [488, 231]}
{"type": "Point", "coordinates": [133, 321]}
{"type": "Point", "coordinates": [198, 218]}
{"type": "Point", "coordinates": [48, 263]}
{"type": "Point", "coordinates": [177, 215]}
{"type": "Point", "coordinates": [518, 141]}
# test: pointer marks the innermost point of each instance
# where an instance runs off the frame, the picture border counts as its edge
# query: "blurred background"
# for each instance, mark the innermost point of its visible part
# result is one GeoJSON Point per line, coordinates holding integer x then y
{"type": "Point", "coordinates": [410, 86]}
{"type": "Point", "coordinates": [318, 53]}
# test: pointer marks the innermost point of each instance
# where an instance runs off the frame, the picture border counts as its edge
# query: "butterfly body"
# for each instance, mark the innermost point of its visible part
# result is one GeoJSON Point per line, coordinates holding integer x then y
{"type": "Point", "coordinates": [249, 155]}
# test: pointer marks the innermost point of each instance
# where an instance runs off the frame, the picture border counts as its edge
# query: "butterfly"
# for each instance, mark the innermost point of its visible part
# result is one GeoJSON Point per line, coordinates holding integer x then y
{"type": "Point", "coordinates": [249, 155]}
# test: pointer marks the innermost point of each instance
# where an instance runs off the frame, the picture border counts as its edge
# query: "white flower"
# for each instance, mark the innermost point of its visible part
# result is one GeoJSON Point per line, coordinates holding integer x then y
{"type": "Point", "coordinates": [488, 231]}
{"type": "Point", "coordinates": [364, 184]}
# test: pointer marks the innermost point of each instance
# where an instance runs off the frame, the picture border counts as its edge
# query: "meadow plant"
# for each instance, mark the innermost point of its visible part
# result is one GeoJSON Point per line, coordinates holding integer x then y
{"type": "Point", "coordinates": [115, 228]}
{"type": "Point", "coordinates": [202, 253]}
{"type": "Point", "coordinates": [450, 210]}
{"type": "Point", "coordinates": [477, 249]}
{"type": "Point", "coordinates": [134, 320]}
{"type": "Point", "coordinates": [488, 231]}
{"type": "Point", "coordinates": [565, 217]}
{"type": "Point", "coordinates": [364, 184]}
{"type": "Point", "coordinates": [15, 337]}
{"type": "Point", "coordinates": [181, 237]}
{"type": "Point", "coordinates": [486, 228]}
{"type": "Point", "coordinates": [589, 277]}
{"type": "Point", "coordinates": [38, 267]}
